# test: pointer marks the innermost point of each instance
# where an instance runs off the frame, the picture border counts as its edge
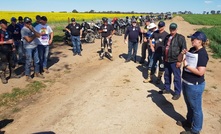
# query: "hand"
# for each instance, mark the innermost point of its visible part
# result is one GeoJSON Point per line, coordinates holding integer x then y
{"type": "Point", "coordinates": [184, 51]}
{"type": "Point", "coordinates": [30, 27]}
{"type": "Point", "coordinates": [145, 40]}
{"type": "Point", "coordinates": [178, 64]}
{"type": "Point", "coordinates": [152, 49]}
{"type": "Point", "coordinates": [50, 42]}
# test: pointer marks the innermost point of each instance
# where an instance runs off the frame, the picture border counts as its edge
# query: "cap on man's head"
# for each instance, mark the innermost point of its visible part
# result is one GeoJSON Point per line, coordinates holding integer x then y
{"type": "Point", "coordinates": [20, 18]}
{"type": "Point", "coordinates": [105, 19]}
{"type": "Point", "coordinates": [161, 24]}
{"type": "Point", "coordinates": [72, 19]}
{"type": "Point", "coordinates": [44, 18]}
{"type": "Point", "coordinates": [134, 20]}
{"type": "Point", "coordinates": [173, 26]}
{"type": "Point", "coordinates": [27, 20]}
{"type": "Point", "coordinates": [13, 19]}
{"type": "Point", "coordinates": [198, 35]}
{"type": "Point", "coordinates": [3, 21]}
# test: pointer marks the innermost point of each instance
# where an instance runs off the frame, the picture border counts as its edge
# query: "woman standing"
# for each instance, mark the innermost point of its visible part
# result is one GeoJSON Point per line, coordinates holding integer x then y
{"type": "Point", "coordinates": [193, 84]}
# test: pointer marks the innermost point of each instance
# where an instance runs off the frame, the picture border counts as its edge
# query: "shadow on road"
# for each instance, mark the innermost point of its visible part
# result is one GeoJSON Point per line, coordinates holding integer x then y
{"type": "Point", "coordinates": [47, 132]}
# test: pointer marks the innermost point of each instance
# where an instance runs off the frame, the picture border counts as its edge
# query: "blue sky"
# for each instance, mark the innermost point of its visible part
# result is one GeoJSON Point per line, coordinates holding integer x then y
{"type": "Point", "coordinates": [196, 6]}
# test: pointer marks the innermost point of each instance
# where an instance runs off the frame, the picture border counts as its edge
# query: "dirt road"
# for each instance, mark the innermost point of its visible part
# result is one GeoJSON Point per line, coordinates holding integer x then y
{"type": "Point", "coordinates": [85, 95]}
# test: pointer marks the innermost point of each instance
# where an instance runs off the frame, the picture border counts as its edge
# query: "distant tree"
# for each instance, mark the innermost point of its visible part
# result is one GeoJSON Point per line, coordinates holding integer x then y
{"type": "Point", "coordinates": [74, 11]}
{"type": "Point", "coordinates": [204, 12]}
{"type": "Point", "coordinates": [213, 12]}
{"type": "Point", "coordinates": [218, 12]}
{"type": "Point", "coordinates": [207, 13]}
{"type": "Point", "coordinates": [91, 11]}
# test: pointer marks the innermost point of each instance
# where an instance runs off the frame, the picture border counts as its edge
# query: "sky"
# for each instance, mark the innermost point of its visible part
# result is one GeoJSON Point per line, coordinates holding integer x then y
{"type": "Point", "coordinates": [195, 6]}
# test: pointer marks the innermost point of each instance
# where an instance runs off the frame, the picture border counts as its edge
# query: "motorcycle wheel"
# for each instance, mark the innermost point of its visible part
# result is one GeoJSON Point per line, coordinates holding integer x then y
{"type": "Point", "coordinates": [89, 37]}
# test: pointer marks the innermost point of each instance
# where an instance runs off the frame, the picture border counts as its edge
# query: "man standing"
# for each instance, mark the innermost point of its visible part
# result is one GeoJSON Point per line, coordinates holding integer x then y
{"type": "Point", "coordinates": [133, 32]}
{"type": "Point", "coordinates": [107, 32]}
{"type": "Point", "coordinates": [20, 22]}
{"type": "Point", "coordinates": [6, 48]}
{"type": "Point", "coordinates": [45, 40]}
{"type": "Point", "coordinates": [158, 37]}
{"type": "Point", "coordinates": [174, 44]}
{"type": "Point", "coordinates": [29, 36]}
{"type": "Point", "coordinates": [145, 43]}
{"type": "Point", "coordinates": [76, 33]}
{"type": "Point", "coordinates": [16, 36]}
{"type": "Point", "coordinates": [38, 20]}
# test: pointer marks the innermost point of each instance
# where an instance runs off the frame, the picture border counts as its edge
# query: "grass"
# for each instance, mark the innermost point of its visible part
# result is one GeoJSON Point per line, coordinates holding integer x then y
{"type": "Point", "coordinates": [18, 94]}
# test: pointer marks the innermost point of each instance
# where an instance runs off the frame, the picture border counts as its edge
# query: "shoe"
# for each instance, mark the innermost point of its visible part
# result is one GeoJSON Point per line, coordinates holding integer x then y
{"type": "Point", "coordinates": [28, 79]}
{"type": "Point", "coordinates": [176, 97]}
{"type": "Point", "coordinates": [45, 70]}
{"type": "Point", "coordinates": [188, 132]}
{"type": "Point", "coordinates": [39, 75]}
{"type": "Point", "coordinates": [128, 60]}
{"type": "Point", "coordinates": [80, 54]}
{"type": "Point", "coordinates": [13, 75]}
{"type": "Point", "coordinates": [164, 91]}
{"type": "Point", "coordinates": [184, 124]}
{"type": "Point", "coordinates": [74, 54]}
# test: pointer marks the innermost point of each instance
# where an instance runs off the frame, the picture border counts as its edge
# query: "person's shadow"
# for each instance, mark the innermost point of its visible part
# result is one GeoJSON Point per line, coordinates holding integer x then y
{"type": "Point", "coordinates": [46, 132]}
{"type": "Point", "coordinates": [166, 106]}
{"type": "Point", "coordinates": [4, 123]}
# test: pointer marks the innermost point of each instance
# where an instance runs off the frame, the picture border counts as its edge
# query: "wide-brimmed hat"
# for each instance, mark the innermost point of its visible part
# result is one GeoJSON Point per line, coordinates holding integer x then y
{"type": "Point", "coordinates": [151, 25]}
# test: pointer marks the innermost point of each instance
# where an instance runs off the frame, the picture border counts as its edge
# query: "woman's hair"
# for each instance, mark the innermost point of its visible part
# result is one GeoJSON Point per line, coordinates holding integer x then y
{"type": "Point", "coordinates": [207, 43]}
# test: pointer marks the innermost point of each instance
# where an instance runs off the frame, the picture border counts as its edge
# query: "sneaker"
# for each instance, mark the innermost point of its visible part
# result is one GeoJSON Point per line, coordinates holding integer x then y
{"type": "Point", "coordinates": [74, 54]}
{"type": "Point", "coordinates": [184, 124]}
{"type": "Point", "coordinates": [148, 80]}
{"type": "Point", "coordinates": [188, 132]}
{"type": "Point", "coordinates": [39, 75]}
{"type": "Point", "coordinates": [45, 70]}
{"type": "Point", "coordinates": [128, 60]}
{"type": "Point", "coordinates": [164, 91]}
{"type": "Point", "coordinates": [28, 79]}
{"type": "Point", "coordinates": [176, 97]}
{"type": "Point", "coordinates": [80, 54]}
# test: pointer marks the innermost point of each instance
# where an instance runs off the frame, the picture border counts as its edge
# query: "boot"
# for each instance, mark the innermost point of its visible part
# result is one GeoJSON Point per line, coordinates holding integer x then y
{"type": "Point", "coordinates": [39, 75]}
{"type": "Point", "coordinates": [28, 78]}
{"type": "Point", "coordinates": [149, 78]}
{"type": "Point", "coordinates": [13, 74]}
{"type": "Point", "coordinates": [45, 70]}
{"type": "Point", "coordinates": [160, 74]}
{"type": "Point", "coordinates": [3, 77]}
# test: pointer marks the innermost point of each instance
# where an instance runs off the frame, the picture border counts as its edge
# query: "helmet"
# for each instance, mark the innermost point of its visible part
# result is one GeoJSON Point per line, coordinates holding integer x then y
{"type": "Point", "coordinates": [104, 19]}
{"type": "Point", "coordinates": [27, 20]}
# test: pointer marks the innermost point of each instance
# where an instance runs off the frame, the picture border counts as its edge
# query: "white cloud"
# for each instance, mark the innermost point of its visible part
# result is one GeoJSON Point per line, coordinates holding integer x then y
{"type": "Point", "coordinates": [208, 1]}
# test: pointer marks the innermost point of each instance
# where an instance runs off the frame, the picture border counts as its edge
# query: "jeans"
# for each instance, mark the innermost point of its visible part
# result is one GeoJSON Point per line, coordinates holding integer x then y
{"type": "Point", "coordinates": [43, 51]}
{"type": "Point", "coordinates": [193, 99]}
{"type": "Point", "coordinates": [169, 69]}
{"type": "Point", "coordinates": [29, 52]}
{"type": "Point", "coordinates": [157, 57]}
{"type": "Point", "coordinates": [76, 44]}
{"type": "Point", "coordinates": [20, 50]}
{"type": "Point", "coordinates": [150, 58]}
{"type": "Point", "coordinates": [132, 46]}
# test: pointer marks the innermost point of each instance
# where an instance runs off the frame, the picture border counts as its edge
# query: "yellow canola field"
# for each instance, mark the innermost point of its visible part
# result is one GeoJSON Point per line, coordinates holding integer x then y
{"type": "Point", "coordinates": [61, 17]}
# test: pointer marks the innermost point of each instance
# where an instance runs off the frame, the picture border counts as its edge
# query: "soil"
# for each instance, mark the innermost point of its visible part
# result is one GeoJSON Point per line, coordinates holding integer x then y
{"type": "Point", "coordinates": [86, 95]}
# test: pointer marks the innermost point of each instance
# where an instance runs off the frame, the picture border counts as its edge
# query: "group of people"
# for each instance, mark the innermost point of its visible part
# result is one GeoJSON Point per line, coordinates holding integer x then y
{"type": "Point", "coordinates": [24, 43]}
{"type": "Point", "coordinates": [168, 51]}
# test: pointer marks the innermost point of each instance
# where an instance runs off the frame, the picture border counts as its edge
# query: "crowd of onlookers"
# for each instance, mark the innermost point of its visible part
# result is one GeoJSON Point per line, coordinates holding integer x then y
{"type": "Point", "coordinates": [27, 43]}
{"type": "Point", "coordinates": [24, 43]}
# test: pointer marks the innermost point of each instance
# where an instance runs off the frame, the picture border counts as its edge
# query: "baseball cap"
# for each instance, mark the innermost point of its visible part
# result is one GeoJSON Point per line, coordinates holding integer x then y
{"type": "Point", "coordinates": [151, 25]}
{"type": "Point", "coordinates": [198, 35]}
{"type": "Point", "coordinates": [13, 19]}
{"type": "Point", "coordinates": [105, 19]}
{"type": "Point", "coordinates": [3, 21]}
{"type": "Point", "coordinates": [20, 18]}
{"type": "Point", "coordinates": [44, 18]}
{"type": "Point", "coordinates": [72, 19]}
{"type": "Point", "coordinates": [134, 20]}
{"type": "Point", "coordinates": [27, 20]}
{"type": "Point", "coordinates": [173, 26]}
{"type": "Point", "coordinates": [161, 24]}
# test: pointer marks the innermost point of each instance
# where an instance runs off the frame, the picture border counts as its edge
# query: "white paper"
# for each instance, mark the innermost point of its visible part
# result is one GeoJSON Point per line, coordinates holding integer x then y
{"type": "Point", "coordinates": [192, 60]}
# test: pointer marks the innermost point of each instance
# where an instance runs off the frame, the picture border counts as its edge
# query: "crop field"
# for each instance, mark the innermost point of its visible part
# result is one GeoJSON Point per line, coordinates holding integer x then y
{"type": "Point", "coordinates": [60, 17]}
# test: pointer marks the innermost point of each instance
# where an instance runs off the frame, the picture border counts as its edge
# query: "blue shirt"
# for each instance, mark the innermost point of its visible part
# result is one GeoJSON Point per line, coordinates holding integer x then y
{"type": "Point", "coordinates": [133, 33]}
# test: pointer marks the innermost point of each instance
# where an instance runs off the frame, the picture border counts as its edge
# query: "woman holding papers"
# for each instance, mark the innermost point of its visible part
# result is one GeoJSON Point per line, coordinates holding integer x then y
{"type": "Point", "coordinates": [193, 84]}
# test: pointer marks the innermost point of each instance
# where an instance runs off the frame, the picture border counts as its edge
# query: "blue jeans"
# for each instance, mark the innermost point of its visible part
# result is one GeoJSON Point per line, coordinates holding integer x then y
{"type": "Point", "coordinates": [29, 52]}
{"type": "Point", "coordinates": [150, 58]}
{"type": "Point", "coordinates": [157, 57]}
{"type": "Point", "coordinates": [132, 46]}
{"type": "Point", "coordinates": [43, 51]}
{"type": "Point", "coordinates": [169, 69]}
{"type": "Point", "coordinates": [193, 98]}
{"type": "Point", "coordinates": [76, 44]}
{"type": "Point", "coordinates": [20, 50]}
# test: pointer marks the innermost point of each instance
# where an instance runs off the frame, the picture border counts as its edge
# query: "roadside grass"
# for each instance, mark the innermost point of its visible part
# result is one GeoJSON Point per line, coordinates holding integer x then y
{"type": "Point", "coordinates": [18, 94]}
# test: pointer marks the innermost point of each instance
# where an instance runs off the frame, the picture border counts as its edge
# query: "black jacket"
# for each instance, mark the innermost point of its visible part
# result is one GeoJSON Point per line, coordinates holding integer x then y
{"type": "Point", "coordinates": [177, 44]}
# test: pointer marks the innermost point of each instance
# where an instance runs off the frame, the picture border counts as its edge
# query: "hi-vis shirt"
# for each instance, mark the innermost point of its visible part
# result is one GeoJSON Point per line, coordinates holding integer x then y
{"type": "Point", "coordinates": [45, 32]}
